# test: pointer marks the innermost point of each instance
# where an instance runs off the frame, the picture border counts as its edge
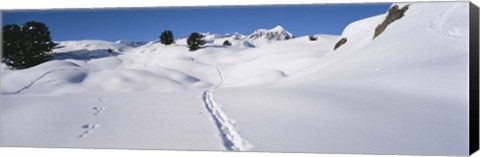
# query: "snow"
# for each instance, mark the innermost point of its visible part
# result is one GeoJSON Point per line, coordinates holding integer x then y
{"type": "Point", "coordinates": [263, 36]}
{"type": "Point", "coordinates": [131, 43]}
{"type": "Point", "coordinates": [172, 120]}
{"type": "Point", "coordinates": [226, 126]}
{"type": "Point", "coordinates": [258, 38]}
{"type": "Point", "coordinates": [90, 45]}
{"type": "Point", "coordinates": [404, 92]}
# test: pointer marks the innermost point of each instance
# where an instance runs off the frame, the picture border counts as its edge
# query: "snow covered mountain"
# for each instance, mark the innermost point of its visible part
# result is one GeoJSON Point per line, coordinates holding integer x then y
{"type": "Point", "coordinates": [89, 45]}
{"type": "Point", "coordinates": [258, 38]}
{"type": "Point", "coordinates": [234, 36]}
{"type": "Point", "coordinates": [264, 36]}
{"type": "Point", "coordinates": [236, 39]}
{"type": "Point", "coordinates": [404, 92]}
{"type": "Point", "coordinates": [276, 33]}
{"type": "Point", "coordinates": [131, 43]}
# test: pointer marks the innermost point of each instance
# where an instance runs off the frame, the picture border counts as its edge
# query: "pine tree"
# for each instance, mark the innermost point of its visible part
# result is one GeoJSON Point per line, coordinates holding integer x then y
{"type": "Point", "coordinates": [12, 35]}
{"type": "Point", "coordinates": [167, 37]}
{"type": "Point", "coordinates": [195, 41]}
{"type": "Point", "coordinates": [26, 46]}
{"type": "Point", "coordinates": [227, 43]}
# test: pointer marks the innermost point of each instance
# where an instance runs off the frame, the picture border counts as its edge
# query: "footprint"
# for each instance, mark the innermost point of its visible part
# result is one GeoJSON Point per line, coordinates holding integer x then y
{"type": "Point", "coordinates": [98, 110]}
{"type": "Point", "coordinates": [101, 99]}
{"type": "Point", "coordinates": [88, 129]}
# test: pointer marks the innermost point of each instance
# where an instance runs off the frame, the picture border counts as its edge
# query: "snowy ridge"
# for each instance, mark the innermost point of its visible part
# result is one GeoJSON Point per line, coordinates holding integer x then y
{"type": "Point", "coordinates": [88, 45]}
{"type": "Point", "coordinates": [131, 43]}
{"type": "Point", "coordinates": [232, 140]}
{"type": "Point", "coordinates": [258, 38]}
{"type": "Point", "coordinates": [41, 77]}
{"type": "Point", "coordinates": [263, 36]}
{"type": "Point", "coordinates": [276, 33]}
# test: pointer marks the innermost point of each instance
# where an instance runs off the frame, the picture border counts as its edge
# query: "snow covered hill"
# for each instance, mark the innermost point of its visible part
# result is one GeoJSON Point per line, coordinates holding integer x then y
{"type": "Point", "coordinates": [131, 43]}
{"type": "Point", "coordinates": [404, 92]}
{"type": "Point", "coordinates": [89, 45]}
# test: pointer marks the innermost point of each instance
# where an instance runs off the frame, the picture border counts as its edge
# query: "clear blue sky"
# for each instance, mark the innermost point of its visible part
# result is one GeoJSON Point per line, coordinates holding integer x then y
{"type": "Point", "coordinates": [146, 24]}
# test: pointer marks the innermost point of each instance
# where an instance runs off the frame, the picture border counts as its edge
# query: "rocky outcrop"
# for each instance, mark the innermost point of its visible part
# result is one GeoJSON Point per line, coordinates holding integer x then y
{"type": "Point", "coordinates": [394, 13]}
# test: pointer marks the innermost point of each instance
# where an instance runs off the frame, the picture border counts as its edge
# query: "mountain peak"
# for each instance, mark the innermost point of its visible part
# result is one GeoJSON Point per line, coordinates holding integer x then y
{"type": "Point", "coordinates": [276, 33]}
{"type": "Point", "coordinates": [264, 36]}
{"type": "Point", "coordinates": [277, 28]}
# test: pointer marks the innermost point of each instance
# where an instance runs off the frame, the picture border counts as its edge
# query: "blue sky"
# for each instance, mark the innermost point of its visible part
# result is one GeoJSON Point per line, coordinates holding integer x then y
{"type": "Point", "coordinates": [146, 24]}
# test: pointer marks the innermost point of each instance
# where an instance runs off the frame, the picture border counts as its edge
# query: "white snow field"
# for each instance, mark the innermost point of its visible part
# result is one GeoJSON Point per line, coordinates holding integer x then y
{"type": "Point", "coordinates": [404, 92]}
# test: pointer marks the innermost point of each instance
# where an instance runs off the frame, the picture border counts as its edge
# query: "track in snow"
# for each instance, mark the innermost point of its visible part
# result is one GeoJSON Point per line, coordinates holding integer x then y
{"type": "Point", "coordinates": [231, 138]}
{"type": "Point", "coordinates": [226, 126]}
{"type": "Point", "coordinates": [221, 76]}
{"type": "Point", "coordinates": [38, 79]}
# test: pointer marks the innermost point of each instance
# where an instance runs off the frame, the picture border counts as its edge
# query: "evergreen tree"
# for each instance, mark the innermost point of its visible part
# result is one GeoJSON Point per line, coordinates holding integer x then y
{"type": "Point", "coordinates": [227, 43]}
{"type": "Point", "coordinates": [167, 37]}
{"type": "Point", "coordinates": [26, 46]}
{"type": "Point", "coordinates": [11, 43]}
{"type": "Point", "coordinates": [195, 41]}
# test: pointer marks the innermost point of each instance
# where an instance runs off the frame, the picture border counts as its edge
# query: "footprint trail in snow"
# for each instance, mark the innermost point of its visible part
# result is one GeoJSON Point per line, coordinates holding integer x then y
{"type": "Point", "coordinates": [88, 129]}
{"type": "Point", "coordinates": [98, 110]}
{"type": "Point", "coordinates": [232, 140]}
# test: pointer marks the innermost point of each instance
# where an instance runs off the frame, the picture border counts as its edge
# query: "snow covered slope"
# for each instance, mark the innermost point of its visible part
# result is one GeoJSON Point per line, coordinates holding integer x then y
{"type": "Point", "coordinates": [131, 43]}
{"type": "Point", "coordinates": [173, 120]}
{"type": "Point", "coordinates": [87, 49]}
{"type": "Point", "coordinates": [404, 92]}
{"type": "Point", "coordinates": [68, 46]}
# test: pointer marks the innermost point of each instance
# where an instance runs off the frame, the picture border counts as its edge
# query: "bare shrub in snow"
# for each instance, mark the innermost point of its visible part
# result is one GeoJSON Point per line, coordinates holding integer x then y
{"type": "Point", "coordinates": [340, 43]}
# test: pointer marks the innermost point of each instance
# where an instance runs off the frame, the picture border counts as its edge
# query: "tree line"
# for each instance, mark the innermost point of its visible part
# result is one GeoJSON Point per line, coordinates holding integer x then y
{"type": "Point", "coordinates": [194, 41]}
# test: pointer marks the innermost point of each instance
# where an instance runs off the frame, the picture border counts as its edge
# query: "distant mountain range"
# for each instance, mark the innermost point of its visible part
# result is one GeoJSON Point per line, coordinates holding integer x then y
{"type": "Point", "coordinates": [258, 38]}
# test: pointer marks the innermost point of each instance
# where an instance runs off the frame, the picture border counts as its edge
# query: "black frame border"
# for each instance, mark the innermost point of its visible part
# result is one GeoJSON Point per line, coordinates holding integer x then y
{"type": "Point", "coordinates": [474, 79]}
